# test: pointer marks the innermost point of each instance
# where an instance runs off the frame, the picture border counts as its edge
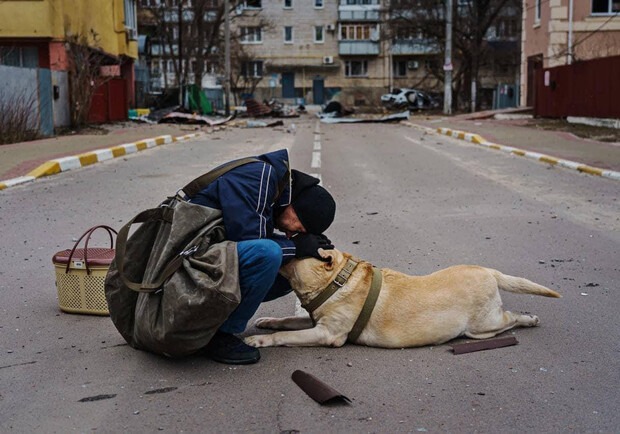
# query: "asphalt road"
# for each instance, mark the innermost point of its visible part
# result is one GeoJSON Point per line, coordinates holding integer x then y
{"type": "Point", "coordinates": [407, 201]}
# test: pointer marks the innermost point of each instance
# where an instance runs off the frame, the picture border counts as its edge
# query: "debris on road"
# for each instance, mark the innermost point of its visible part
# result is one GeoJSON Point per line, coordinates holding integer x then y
{"type": "Point", "coordinates": [397, 117]}
{"type": "Point", "coordinates": [489, 344]}
{"type": "Point", "coordinates": [335, 109]}
{"type": "Point", "coordinates": [272, 108]}
{"type": "Point", "coordinates": [263, 124]}
{"type": "Point", "coordinates": [97, 398]}
{"type": "Point", "coordinates": [256, 109]}
{"type": "Point", "coordinates": [189, 118]}
{"type": "Point", "coordinates": [316, 389]}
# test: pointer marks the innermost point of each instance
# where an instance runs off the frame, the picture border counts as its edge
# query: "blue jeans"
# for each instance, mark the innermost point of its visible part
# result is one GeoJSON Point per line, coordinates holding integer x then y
{"type": "Point", "coordinates": [259, 262]}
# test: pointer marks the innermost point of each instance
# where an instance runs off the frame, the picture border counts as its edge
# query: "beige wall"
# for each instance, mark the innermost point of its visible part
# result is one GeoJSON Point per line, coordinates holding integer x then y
{"type": "Point", "coordinates": [307, 55]}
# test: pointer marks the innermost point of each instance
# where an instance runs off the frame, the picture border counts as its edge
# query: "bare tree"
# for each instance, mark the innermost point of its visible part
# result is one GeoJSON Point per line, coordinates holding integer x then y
{"type": "Point", "coordinates": [85, 62]}
{"type": "Point", "coordinates": [246, 72]}
{"type": "Point", "coordinates": [472, 22]}
{"type": "Point", "coordinates": [17, 113]}
{"type": "Point", "coordinates": [195, 44]}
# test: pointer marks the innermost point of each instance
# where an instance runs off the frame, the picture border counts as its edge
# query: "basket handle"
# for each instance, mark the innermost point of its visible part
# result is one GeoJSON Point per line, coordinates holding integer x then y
{"type": "Point", "coordinates": [88, 234]}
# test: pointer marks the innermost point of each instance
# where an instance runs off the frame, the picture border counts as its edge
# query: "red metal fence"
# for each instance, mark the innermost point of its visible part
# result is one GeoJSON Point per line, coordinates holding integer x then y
{"type": "Point", "coordinates": [589, 89]}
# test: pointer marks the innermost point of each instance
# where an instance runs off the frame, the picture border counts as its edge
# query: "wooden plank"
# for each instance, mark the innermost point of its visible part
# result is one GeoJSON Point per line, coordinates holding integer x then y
{"type": "Point", "coordinates": [489, 344]}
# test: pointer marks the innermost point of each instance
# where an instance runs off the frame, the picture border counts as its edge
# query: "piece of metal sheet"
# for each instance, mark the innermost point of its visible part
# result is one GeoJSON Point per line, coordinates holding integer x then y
{"type": "Point", "coordinates": [316, 389]}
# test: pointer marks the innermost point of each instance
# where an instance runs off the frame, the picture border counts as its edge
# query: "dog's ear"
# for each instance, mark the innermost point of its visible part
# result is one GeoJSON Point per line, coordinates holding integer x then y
{"type": "Point", "coordinates": [327, 258]}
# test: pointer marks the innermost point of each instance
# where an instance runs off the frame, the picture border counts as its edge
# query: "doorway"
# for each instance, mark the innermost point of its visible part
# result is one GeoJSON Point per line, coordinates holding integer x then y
{"type": "Point", "coordinates": [288, 85]}
{"type": "Point", "coordinates": [534, 64]}
{"type": "Point", "coordinates": [318, 90]}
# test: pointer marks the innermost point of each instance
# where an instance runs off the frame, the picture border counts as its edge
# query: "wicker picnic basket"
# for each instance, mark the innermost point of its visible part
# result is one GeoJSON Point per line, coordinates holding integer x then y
{"type": "Point", "coordinates": [80, 275]}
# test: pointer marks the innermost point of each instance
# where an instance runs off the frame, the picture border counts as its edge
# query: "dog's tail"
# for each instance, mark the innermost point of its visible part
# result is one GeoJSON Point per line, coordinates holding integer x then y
{"type": "Point", "coordinates": [520, 285]}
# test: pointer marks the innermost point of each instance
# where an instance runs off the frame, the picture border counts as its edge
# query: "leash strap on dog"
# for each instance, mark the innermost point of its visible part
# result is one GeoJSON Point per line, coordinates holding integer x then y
{"type": "Point", "coordinates": [369, 305]}
{"type": "Point", "coordinates": [335, 285]}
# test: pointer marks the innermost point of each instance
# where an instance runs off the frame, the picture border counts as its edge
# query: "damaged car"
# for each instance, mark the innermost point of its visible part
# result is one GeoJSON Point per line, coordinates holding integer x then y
{"type": "Point", "coordinates": [411, 99]}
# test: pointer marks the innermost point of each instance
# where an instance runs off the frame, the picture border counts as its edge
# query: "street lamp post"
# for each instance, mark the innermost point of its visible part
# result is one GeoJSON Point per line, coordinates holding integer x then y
{"type": "Point", "coordinates": [447, 67]}
{"type": "Point", "coordinates": [180, 48]}
{"type": "Point", "coordinates": [227, 57]}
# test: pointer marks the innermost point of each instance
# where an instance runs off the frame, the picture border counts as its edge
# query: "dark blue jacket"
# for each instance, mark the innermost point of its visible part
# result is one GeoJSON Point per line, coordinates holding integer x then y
{"type": "Point", "coordinates": [247, 197]}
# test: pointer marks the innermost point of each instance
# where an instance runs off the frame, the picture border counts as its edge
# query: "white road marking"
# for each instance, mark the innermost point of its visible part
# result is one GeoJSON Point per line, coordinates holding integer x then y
{"type": "Point", "coordinates": [316, 160]}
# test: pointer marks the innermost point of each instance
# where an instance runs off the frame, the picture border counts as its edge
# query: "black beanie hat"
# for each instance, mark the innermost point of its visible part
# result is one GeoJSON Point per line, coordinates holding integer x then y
{"type": "Point", "coordinates": [314, 206]}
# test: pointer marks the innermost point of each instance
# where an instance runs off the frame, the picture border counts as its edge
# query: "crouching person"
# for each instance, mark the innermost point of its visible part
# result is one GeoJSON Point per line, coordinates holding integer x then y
{"type": "Point", "coordinates": [255, 199]}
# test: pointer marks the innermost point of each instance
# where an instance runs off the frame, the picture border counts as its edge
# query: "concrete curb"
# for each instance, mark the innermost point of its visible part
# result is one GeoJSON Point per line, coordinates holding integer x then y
{"type": "Point", "coordinates": [479, 140]}
{"type": "Point", "coordinates": [76, 161]}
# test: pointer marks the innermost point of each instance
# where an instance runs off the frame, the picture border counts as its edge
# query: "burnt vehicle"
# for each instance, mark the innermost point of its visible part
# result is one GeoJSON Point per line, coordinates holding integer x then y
{"type": "Point", "coordinates": [412, 99]}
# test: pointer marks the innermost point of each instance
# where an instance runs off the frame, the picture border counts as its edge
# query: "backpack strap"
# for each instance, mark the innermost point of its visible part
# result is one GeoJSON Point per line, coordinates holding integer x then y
{"type": "Point", "coordinates": [194, 187]}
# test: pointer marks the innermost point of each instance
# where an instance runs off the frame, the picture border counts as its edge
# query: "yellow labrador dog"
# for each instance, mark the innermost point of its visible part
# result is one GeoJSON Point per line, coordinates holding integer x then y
{"type": "Point", "coordinates": [410, 310]}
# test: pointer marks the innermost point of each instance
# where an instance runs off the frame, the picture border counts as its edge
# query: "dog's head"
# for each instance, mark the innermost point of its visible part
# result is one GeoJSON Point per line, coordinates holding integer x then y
{"type": "Point", "coordinates": [310, 275]}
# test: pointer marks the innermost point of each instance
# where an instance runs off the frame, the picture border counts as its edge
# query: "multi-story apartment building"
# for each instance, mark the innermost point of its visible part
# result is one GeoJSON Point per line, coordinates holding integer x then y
{"type": "Point", "coordinates": [158, 21]}
{"type": "Point", "coordinates": [561, 32]}
{"type": "Point", "coordinates": [35, 34]}
{"type": "Point", "coordinates": [296, 50]}
{"type": "Point", "coordinates": [313, 50]}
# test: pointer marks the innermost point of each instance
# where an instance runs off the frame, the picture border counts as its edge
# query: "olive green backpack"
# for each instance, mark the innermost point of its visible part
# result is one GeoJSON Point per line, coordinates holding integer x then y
{"type": "Point", "coordinates": [175, 279]}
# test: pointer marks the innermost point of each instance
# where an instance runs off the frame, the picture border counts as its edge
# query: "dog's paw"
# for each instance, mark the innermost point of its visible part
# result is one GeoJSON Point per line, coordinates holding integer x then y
{"type": "Point", "coordinates": [265, 323]}
{"type": "Point", "coordinates": [258, 341]}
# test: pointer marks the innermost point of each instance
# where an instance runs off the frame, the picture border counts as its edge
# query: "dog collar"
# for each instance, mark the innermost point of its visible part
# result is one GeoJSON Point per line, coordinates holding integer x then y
{"type": "Point", "coordinates": [335, 285]}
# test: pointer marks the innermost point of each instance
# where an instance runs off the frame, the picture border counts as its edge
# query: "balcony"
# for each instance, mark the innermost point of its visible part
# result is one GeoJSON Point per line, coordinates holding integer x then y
{"type": "Point", "coordinates": [172, 16]}
{"type": "Point", "coordinates": [358, 14]}
{"type": "Point", "coordinates": [358, 48]}
{"type": "Point", "coordinates": [164, 50]}
{"type": "Point", "coordinates": [414, 46]}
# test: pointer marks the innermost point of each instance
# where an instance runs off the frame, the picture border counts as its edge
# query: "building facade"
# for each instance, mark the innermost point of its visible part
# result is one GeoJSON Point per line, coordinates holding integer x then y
{"type": "Point", "coordinates": [318, 49]}
{"type": "Point", "coordinates": [34, 34]}
{"type": "Point", "coordinates": [563, 32]}
{"type": "Point", "coordinates": [312, 51]}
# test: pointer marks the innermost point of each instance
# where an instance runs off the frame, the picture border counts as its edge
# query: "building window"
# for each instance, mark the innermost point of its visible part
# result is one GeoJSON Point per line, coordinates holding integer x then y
{"type": "Point", "coordinates": [319, 35]}
{"type": "Point", "coordinates": [252, 69]}
{"type": "Point", "coordinates": [400, 68]}
{"type": "Point", "coordinates": [407, 34]}
{"type": "Point", "coordinates": [356, 68]}
{"type": "Point", "coordinates": [25, 57]}
{"type": "Point", "coordinates": [318, 4]}
{"type": "Point", "coordinates": [361, 2]}
{"type": "Point", "coordinates": [288, 35]}
{"type": "Point", "coordinates": [538, 7]}
{"type": "Point", "coordinates": [358, 32]}
{"type": "Point", "coordinates": [605, 7]}
{"type": "Point", "coordinates": [251, 35]}
{"type": "Point", "coordinates": [252, 4]}
{"type": "Point", "coordinates": [131, 20]}
{"type": "Point", "coordinates": [288, 4]}
{"type": "Point", "coordinates": [155, 67]}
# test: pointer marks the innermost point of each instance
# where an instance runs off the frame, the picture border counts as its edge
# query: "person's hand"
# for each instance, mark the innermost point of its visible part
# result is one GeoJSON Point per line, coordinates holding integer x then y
{"type": "Point", "coordinates": [308, 245]}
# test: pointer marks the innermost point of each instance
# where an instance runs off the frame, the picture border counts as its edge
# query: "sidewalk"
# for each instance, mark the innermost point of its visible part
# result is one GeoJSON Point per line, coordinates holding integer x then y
{"type": "Point", "coordinates": [24, 162]}
{"type": "Point", "coordinates": [19, 159]}
{"type": "Point", "coordinates": [558, 144]}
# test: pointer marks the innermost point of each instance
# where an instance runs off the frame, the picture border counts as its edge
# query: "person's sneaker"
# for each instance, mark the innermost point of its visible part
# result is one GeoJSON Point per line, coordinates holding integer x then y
{"type": "Point", "coordinates": [227, 348]}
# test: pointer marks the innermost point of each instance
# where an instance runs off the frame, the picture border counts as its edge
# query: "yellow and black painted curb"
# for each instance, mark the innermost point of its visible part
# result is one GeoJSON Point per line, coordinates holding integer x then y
{"type": "Point", "coordinates": [64, 164]}
{"type": "Point", "coordinates": [479, 140]}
